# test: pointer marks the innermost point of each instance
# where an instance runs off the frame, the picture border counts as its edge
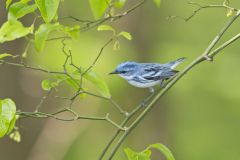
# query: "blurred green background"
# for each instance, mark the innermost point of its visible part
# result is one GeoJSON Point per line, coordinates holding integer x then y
{"type": "Point", "coordinates": [198, 118]}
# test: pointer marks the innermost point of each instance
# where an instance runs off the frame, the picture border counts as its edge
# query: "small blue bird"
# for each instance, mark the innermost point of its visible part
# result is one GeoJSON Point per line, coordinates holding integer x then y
{"type": "Point", "coordinates": [147, 75]}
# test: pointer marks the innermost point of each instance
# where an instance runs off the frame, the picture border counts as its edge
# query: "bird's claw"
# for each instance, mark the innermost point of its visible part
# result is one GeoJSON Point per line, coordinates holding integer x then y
{"type": "Point", "coordinates": [151, 90]}
{"type": "Point", "coordinates": [162, 84]}
{"type": "Point", "coordinates": [144, 103]}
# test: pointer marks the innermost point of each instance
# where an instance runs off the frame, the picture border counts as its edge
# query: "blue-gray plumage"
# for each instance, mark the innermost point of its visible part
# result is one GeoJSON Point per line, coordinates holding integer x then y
{"type": "Point", "coordinates": [147, 75]}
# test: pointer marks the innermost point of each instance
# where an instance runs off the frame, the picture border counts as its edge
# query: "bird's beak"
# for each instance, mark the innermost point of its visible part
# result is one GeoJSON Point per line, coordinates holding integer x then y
{"type": "Point", "coordinates": [114, 72]}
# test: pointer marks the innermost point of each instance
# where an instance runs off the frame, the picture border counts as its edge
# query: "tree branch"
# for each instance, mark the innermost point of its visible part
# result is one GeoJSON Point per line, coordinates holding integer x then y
{"type": "Point", "coordinates": [74, 118]}
{"type": "Point", "coordinates": [29, 67]}
{"type": "Point", "coordinates": [42, 100]}
{"type": "Point", "coordinates": [201, 7]}
{"type": "Point", "coordinates": [224, 45]}
{"type": "Point", "coordinates": [178, 77]}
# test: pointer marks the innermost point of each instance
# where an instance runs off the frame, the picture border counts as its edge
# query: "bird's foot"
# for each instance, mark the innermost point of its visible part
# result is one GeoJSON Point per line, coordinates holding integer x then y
{"type": "Point", "coordinates": [162, 84]}
{"type": "Point", "coordinates": [151, 90]}
{"type": "Point", "coordinates": [144, 103]}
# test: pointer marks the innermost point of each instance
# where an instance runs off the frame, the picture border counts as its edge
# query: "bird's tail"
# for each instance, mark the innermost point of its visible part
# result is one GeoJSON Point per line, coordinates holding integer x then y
{"type": "Point", "coordinates": [173, 64]}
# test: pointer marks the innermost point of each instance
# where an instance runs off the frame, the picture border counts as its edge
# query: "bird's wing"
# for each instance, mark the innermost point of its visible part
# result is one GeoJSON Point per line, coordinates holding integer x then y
{"type": "Point", "coordinates": [156, 72]}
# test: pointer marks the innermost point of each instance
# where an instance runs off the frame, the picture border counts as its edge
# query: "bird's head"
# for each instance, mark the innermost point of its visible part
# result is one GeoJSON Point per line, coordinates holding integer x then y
{"type": "Point", "coordinates": [126, 69]}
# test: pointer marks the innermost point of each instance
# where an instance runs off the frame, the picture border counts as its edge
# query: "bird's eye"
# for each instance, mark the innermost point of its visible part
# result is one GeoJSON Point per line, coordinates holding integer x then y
{"type": "Point", "coordinates": [123, 72]}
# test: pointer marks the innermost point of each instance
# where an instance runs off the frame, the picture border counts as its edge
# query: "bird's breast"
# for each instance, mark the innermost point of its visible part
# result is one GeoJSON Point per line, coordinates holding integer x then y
{"type": "Point", "coordinates": [145, 84]}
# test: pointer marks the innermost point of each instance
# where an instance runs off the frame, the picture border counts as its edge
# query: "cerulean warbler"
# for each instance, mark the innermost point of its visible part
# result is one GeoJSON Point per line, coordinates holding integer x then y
{"type": "Point", "coordinates": [147, 75]}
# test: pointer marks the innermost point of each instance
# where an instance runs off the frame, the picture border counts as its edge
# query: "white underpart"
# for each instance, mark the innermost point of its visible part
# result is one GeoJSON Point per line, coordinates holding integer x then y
{"type": "Point", "coordinates": [144, 85]}
{"type": "Point", "coordinates": [127, 77]}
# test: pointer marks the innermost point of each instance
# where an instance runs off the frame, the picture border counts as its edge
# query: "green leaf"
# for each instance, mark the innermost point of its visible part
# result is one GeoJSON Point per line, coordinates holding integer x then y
{"type": "Point", "coordinates": [157, 2]}
{"type": "Point", "coordinates": [105, 28]}
{"type": "Point", "coordinates": [7, 116]}
{"type": "Point", "coordinates": [12, 124]}
{"type": "Point", "coordinates": [68, 80]}
{"type": "Point", "coordinates": [7, 109]}
{"type": "Point", "coordinates": [4, 124]}
{"type": "Point", "coordinates": [16, 136]}
{"type": "Point", "coordinates": [12, 30]}
{"type": "Point", "coordinates": [146, 154]}
{"type": "Point", "coordinates": [98, 82]}
{"type": "Point", "coordinates": [48, 84]}
{"type": "Point", "coordinates": [119, 3]}
{"type": "Point", "coordinates": [3, 55]}
{"type": "Point", "coordinates": [72, 83]}
{"type": "Point", "coordinates": [132, 155]}
{"type": "Point", "coordinates": [126, 35]}
{"type": "Point", "coordinates": [48, 9]}
{"type": "Point", "coordinates": [8, 2]}
{"type": "Point", "coordinates": [99, 7]}
{"type": "Point", "coordinates": [72, 31]}
{"type": "Point", "coordinates": [42, 33]}
{"type": "Point", "coordinates": [162, 148]}
{"type": "Point", "coordinates": [20, 9]}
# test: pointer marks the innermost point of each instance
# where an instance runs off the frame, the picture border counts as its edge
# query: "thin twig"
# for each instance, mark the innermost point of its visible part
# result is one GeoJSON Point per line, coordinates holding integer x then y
{"type": "Point", "coordinates": [76, 19]}
{"type": "Point", "coordinates": [74, 118]}
{"type": "Point", "coordinates": [201, 7]}
{"type": "Point", "coordinates": [98, 56]}
{"type": "Point", "coordinates": [42, 100]}
{"type": "Point", "coordinates": [117, 106]}
{"type": "Point", "coordinates": [22, 65]}
{"type": "Point", "coordinates": [68, 56]}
